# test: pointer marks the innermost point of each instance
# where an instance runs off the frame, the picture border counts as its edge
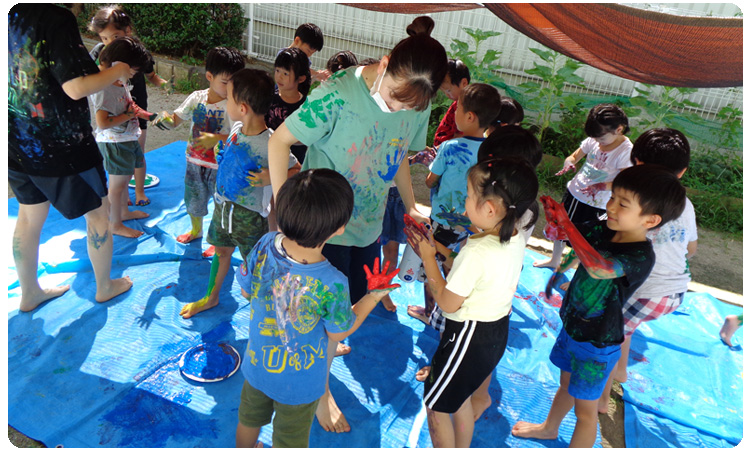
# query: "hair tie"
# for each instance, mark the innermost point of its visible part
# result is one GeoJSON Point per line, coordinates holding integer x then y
{"type": "Point", "coordinates": [493, 182]}
{"type": "Point", "coordinates": [511, 207]}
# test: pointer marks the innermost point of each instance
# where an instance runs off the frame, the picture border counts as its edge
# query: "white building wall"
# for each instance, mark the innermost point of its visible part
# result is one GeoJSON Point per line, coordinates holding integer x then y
{"type": "Point", "coordinates": [371, 34]}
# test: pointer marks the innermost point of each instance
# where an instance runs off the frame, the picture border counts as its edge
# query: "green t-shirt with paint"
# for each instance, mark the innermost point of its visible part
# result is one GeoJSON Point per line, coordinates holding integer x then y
{"type": "Point", "coordinates": [346, 131]}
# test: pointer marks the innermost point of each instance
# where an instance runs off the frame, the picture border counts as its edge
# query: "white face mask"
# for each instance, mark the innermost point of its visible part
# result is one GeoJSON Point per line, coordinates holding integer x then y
{"type": "Point", "coordinates": [375, 93]}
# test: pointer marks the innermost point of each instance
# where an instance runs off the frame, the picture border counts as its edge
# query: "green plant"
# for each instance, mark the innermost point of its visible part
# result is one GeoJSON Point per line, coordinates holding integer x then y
{"type": "Point", "coordinates": [483, 71]}
{"type": "Point", "coordinates": [191, 29]}
{"type": "Point", "coordinates": [549, 93]}
{"type": "Point", "coordinates": [440, 105]}
{"type": "Point", "coordinates": [730, 132]}
{"type": "Point", "coordinates": [715, 172]}
{"type": "Point", "coordinates": [566, 135]}
{"type": "Point", "coordinates": [657, 108]}
{"type": "Point", "coordinates": [187, 85]}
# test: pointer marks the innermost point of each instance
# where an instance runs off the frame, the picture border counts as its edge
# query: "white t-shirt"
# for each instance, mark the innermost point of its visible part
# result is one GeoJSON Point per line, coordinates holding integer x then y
{"type": "Point", "coordinates": [204, 117]}
{"type": "Point", "coordinates": [670, 274]}
{"type": "Point", "coordinates": [600, 167]}
{"type": "Point", "coordinates": [486, 272]}
{"type": "Point", "coordinates": [113, 99]}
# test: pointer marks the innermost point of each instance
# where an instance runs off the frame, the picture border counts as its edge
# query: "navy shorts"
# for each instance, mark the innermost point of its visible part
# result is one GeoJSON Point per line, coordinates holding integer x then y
{"type": "Point", "coordinates": [393, 220]}
{"type": "Point", "coordinates": [350, 261]}
{"type": "Point", "coordinates": [589, 366]}
{"type": "Point", "coordinates": [71, 195]}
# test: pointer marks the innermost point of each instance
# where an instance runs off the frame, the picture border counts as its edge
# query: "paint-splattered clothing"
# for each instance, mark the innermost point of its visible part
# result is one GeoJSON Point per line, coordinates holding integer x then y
{"type": "Point", "coordinates": [243, 153]}
{"type": "Point", "coordinates": [279, 110]}
{"type": "Point", "coordinates": [49, 134]}
{"type": "Point", "coordinates": [286, 353]}
{"type": "Point", "coordinates": [592, 308]}
{"type": "Point", "coordinates": [599, 167]}
{"type": "Point", "coordinates": [454, 158]}
{"type": "Point", "coordinates": [113, 100]}
{"type": "Point", "coordinates": [346, 131]}
{"type": "Point", "coordinates": [447, 128]}
{"type": "Point", "coordinates": [205, 118]}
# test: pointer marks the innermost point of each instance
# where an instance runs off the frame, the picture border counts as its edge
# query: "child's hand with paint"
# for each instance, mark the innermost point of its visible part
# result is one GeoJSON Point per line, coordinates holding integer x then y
{"type": "Point", "coordinates": [568, 165]}
{"type": "Point", "coordinates": [593, 189]}
{"type": "Point", "coordinates": [258, 178]}
{"type": "Point", "coordinates": [380, 283]}
{"type": "Point", "coordinates": [206, 140]}
{"type": "Point", "coordinates": [420, 239]}
{"type": "Point", "coordinates": [165, 121]}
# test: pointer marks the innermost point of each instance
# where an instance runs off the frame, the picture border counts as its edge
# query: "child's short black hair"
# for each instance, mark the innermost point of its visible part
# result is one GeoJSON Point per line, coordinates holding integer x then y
{"type": "Point", "coordinates": [341, 60]}
{"type": "Point", "coordinates": [481, 99]}
{"type": "Point", "coordinates": [656, 188]}
{"type": "Point", "coordinates": [457, 70]}
{"type": "Point", "coordinates": [511, 113]}
{"type": "Point", "coordinates": [605, 118]}
{"type": "Point", "coordinates": [253, 87]}
{"type": "Point", "coordinates": [310, 34]}
{"type": "Point", "coordinates": [663, 146]}
{"type": "Point", "coordinates": [295, 60]}
{"type": "Point", "coordinates": [224, 60]}
{"type": "Point", "coordinates": [313, 205]}
{"type": "Point", "coordinates": [511, 141]}
{"type": "Point", "coordinates": [126, 49]}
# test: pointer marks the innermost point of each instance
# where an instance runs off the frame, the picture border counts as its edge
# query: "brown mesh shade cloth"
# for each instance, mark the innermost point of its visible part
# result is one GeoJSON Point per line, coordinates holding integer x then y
{"type": "Point", "coordinates": [639, 45]}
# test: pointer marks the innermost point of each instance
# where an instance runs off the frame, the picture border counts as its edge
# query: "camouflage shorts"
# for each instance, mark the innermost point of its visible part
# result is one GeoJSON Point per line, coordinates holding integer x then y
{"type": "Point", "coordinates": [235, 226]}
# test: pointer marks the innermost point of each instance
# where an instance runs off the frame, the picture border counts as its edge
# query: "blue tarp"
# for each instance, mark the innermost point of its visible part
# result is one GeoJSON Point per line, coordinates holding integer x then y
{"type": "Point", "coordinates": [83, 374]}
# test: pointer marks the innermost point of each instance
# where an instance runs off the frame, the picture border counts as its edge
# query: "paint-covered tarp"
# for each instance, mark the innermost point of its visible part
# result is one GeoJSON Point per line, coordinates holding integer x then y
{"type": "Point", "coordinates": [83, 374]}
{"type": "Point", "coordinates": [632, 43]}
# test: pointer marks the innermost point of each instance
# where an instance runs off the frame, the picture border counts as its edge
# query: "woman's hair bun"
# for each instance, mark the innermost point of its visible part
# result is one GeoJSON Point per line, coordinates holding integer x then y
{"type": "Point", "coordinates": [421, 25]}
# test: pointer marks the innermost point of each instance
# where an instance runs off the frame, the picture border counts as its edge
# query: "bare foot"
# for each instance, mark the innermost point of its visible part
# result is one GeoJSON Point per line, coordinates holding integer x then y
{"type": "Point", "coordinates": [330, 416]}
{"type": "Point", "coordinates": [480, 404]}
{"type": "Point", "coordinates": [418, 312]}
{"type": "Point", "coordinates": [730, 325]}
{"type": "Point", "coordinates": [423, 373]}
{"type": "Point", "coordinates": [342, 349]}
{"type": "Point", "coordinates": [209, 252]}
{"type": "Point", "coordinates": [388, 303]}
{"type": "Point", "coordinates": [136, 214]}
{"type": "Point", "coordinates": [32, 301]}
{"type": "Point", "coordinates": [125, 231]}
{"type": "Point", "coordinates": [188, 237]}
{"type": "Point", "coordinates": [116, 287]}
{"type": "Point", "coordinates": [259, 444]}
{"type": "Point", "coordinates": [533, 430]}
{"type": "Point", "coordinates": [550, 263]}
{"type": "Point", "coordinates": [196, 307]}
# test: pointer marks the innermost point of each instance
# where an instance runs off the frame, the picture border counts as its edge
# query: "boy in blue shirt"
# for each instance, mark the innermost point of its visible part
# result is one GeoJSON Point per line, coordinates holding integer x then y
{"type": "Point", "coordinates": [477, 106]}
{"type": "Point", "coordinates": [616, 257]}
{"type": "Point", "coordinates": [300, 308]}
{"type": "Point", "coordinates": [241, 206]}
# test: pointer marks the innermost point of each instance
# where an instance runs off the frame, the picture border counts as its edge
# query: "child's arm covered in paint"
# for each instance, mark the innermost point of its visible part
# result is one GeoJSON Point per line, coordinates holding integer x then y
{"type": "Point", "coordinates": [596, 265]}
{"type": "Point", "coordinates": [378, 286]}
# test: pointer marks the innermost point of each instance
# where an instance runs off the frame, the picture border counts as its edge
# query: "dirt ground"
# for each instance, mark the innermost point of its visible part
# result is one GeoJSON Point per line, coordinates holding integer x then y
{"type": "Point", "coordinates": [718, 263]}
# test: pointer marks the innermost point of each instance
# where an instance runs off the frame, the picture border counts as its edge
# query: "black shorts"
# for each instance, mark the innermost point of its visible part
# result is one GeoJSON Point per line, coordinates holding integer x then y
{"type": "Point", "coordinates": [71, 195]}
{"type": "Point", "coordinates": [468, 353]}
{"type": "Point", "coordinates": [579, 212]}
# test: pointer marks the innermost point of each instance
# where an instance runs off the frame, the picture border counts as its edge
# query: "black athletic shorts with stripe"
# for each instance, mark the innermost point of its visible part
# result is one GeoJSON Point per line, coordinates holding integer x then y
{"type": "Point", "coordinates": [468, 353]}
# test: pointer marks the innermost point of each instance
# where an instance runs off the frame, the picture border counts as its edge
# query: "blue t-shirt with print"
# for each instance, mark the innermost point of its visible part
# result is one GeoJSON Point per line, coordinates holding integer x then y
{"type": "Point", "coordinates": [454, 158]}
{"type": "Point", "coordinates": [286, 354]}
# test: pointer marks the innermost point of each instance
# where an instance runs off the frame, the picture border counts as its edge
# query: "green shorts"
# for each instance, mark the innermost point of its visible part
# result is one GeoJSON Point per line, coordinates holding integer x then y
{"type": "Point", "coordinates": [235, 226]}
{"type": "Point", "coordinates": [121, 158]}
{"type": "Point", "coordinates": [291, 422]}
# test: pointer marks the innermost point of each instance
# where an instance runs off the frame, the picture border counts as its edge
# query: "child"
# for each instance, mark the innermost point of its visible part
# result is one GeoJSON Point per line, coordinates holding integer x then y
{"type": "Point", "coordinates": [458, 76]}
{"type": "Point", "coordinates": [673, 244]}
{"type": "Point", "coordinates": [117, 133]}
{"type": "Point", "coordinates": [309, 39]}
{"type": "Point", "coordinates": [298, 302]}
{"type": "Point", "coordinates": [476, 299]}
{"type": "Point", "coordinates": [110, 22]}
{"type": "Point", "coordinates": [477, 106]}
{"type": "Point", "coordinates": [292, 78]}
{"type": "Point", "coordinates": [206, 111]}
{"type": "Point", "coordinates": [607, 151]}
{"type": "Point", "coordinates": [239, 218]}
{"type": "Point", "coordinates": [615, 258]}
{"type": "Point", "coordinates": [511, 113]}
{"type": "Point", "coordinates": [341, 60]}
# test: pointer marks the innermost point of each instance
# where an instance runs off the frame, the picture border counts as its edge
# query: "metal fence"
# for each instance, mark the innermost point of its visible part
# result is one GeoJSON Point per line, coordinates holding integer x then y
{"type": "Point", "coordinates": [371, 34]}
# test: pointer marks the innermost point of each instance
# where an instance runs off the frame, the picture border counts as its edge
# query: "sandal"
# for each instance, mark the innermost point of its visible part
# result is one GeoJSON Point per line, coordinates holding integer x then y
{"type": "Point", "coordinates": [143, 202]}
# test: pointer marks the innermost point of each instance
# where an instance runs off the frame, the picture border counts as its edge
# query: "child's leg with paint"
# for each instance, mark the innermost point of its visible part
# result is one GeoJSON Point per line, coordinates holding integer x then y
{"type": "Point", "coordinates": [390, 256]}
{"type": "Point", "coordinates": [218, 271]}
{"type": "Point", "coordinates": [199, 186]}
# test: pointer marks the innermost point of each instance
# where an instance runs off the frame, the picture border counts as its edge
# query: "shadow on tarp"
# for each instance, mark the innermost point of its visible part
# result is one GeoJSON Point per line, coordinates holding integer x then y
{"type": "Point", "coordinates": [84, 374]}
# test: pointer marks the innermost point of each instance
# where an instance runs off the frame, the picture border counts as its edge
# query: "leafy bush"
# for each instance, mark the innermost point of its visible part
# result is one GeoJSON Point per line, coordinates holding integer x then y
{"type": "Point", "coordinates": [187, 29]}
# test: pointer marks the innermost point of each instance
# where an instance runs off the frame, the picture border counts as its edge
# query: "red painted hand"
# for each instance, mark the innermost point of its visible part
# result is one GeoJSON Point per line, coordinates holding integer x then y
{"type": "Point", "coordinates": [377, 281]}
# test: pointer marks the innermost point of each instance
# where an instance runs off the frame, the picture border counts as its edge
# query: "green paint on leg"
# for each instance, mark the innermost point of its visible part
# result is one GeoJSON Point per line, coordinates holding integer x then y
{"type": "Point", "coordinates": [213, 275]}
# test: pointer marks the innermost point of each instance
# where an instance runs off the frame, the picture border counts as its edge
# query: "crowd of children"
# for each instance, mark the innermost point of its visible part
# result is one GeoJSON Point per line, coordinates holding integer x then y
{"type": "Point", "coordinates": [310, 238]}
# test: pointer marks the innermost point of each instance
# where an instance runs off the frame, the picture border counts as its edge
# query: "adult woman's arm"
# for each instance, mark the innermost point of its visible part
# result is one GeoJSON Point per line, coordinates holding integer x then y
{"type": "Point", "coordinates": [279, 156]}
{"type": "Point", "coordinates": [406, 190]}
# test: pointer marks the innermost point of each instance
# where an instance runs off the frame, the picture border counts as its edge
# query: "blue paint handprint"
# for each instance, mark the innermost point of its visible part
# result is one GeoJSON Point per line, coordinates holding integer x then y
{"type": "Point", "coordinates": [392, 165]}
{"type": "Point", "coordinates": [453, 219]}
{"type": "Point", "coordinates": [457, 153]}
